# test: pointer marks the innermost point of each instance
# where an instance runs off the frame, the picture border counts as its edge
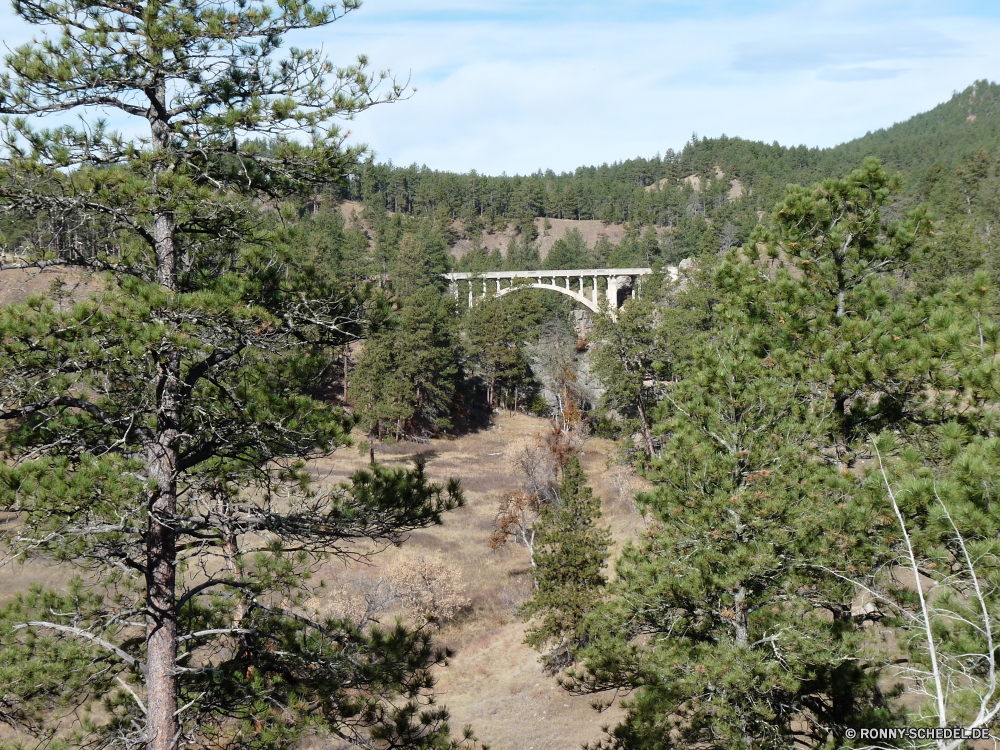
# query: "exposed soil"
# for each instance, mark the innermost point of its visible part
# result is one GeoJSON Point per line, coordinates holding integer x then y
{"type": "Point", "coordinates": [495, 682]}
{"type": "Point", "coordinates": [17, 285]}
{"type": "Point", "coordinates": [591, 230]}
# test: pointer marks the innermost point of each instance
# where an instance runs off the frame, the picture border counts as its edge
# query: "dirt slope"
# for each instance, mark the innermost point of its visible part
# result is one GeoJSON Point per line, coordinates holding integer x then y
{"type": "Point", "coordinates": [495, 682]}
{"type": "Point", "coordinates": [591, 231]}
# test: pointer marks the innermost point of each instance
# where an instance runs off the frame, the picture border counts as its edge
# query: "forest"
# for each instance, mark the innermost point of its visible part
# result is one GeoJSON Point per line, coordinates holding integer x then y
{"type": "Point", "coordinates": [802, 425]}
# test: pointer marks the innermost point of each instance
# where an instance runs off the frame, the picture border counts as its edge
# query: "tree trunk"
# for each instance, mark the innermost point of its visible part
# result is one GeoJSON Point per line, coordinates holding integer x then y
{"type": "Point", "coordinates": [161, 615]}
{"type": "Point", "coordinates": [162, 722]}
{"type": "Point", "coordinates": [347, 360]}
{"type": "Point", "coordinates": [740, 617]}
{"type": "Point", "coordinates": [839, 259]}
{"type": "Point", "coordinates": [646, 434]}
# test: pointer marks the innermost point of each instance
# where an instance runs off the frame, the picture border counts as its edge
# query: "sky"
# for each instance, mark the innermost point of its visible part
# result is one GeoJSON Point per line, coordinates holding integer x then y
{"type": "Point", "coordinates": [520, 85]}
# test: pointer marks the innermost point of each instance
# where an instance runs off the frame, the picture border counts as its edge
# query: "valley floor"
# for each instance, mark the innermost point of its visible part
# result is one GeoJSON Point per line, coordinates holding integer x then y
{"type": "Point", "coordinates": [494, 682]}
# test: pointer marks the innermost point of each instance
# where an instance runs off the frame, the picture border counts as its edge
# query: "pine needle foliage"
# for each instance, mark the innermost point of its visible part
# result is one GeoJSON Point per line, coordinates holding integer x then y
{"type": "Point", "coordinates": [155, 434]}
{"type": "Point", "coordinates": [569, 550]}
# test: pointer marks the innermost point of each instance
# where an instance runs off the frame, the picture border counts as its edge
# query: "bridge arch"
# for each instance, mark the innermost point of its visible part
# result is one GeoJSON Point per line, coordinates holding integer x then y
{"type": "Point", "coordinates": [617, 280]}
{"type": "Point", "coordinates": [581, 298]}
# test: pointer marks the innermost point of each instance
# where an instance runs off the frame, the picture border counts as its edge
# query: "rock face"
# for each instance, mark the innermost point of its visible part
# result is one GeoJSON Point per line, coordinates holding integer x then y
{"type": "Point", "coordinates": [617, 285]}
{"type": "Point", "coordinates": [623, 282]}
{"type": "Point", "coordinates": [583, 323]}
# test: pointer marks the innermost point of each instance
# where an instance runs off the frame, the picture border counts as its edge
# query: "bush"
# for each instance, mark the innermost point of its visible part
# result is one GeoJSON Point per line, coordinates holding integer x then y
{"type": "Point", "coordinates": [426, 588]}
{"type": "Point", "coordinates": [539, 406]}
{"type": "Point", "coordinates": [604, 427]}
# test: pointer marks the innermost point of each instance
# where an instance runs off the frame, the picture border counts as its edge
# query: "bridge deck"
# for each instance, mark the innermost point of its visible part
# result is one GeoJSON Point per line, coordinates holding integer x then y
{"type": "Point", "coordinates": [462, 275]}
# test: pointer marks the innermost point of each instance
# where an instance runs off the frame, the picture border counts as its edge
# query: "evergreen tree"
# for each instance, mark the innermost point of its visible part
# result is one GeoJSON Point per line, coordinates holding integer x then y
{"type": "Point", "coordinates": [356, 262]}
{"type": "Point", "coordinates": [733, 618]}
{"type": "Point", "coordinates": [601, 253]}
{"type": "Point", "coordinates": [628, 359]}
{"type": "Point", "coordinates": [570, 550]}
{"type": "Point", "coordinates": [568, 207]}
{"type": "Point", "coordinates": [720, 618]}
{"type": "Point", "coordinates": [522, 256]}
{"type": "Point", "coordinates": [407, 373]}
{"type": "Point", "coordinates": [410, 271]}
{"type": "Point", "coordinates": [155, 434]}
{"type": "Point", "coordinates": [870, 350]}
{"type": "Point", "coordinates": [570, 252]}
{"type": "Point", "coordinates": [497, 329]}
{"type": "Point", "coordinates": [650, 247]}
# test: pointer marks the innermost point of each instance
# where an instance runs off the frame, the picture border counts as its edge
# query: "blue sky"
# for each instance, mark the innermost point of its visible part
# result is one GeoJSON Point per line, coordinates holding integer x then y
{"type": "Point", "coordinates": [514, 86]}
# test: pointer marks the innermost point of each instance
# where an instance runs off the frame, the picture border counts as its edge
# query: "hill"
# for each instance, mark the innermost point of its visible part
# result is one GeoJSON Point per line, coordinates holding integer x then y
{"type": "Point", "coordinates": [704, 198]}
{"type": "Point", "coordinates": [946, 135]}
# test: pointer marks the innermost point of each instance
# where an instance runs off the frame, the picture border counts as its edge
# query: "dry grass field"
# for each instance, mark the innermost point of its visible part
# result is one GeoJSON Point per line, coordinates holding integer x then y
{"type": "Point", "coordinates": [494, 682]}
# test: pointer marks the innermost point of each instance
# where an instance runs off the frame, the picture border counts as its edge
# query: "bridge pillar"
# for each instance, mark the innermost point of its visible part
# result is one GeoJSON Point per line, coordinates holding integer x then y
{"type": "Point", "coordinates": [470, 294]}
{"type": "Point", "coordinates": [594, 292]}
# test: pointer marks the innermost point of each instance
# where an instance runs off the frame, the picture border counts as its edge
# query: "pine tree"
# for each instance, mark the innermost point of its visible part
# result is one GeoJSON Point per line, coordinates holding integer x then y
{"type": "Point", "coordinates": [522, 256]}
{"type": "Point", "coordinates": [733, 618]}
{"type": "Point", "coordinates": [570, 551]}
{"type": "Point", "coordinates": [497, 329]}
{"type": "Point", "coordinates": [721, 618]}
{"type": "Point", "coordinates": [356, 256]}
{"type": "Point", "coordinates": [570, 252]}
{"type": "Point", "coordinates": [155, 433]}
{"type": "Point", "coordinates": [601, 253]}
{"type": "Point", "coordinates": [568, 206]}
{"type": "Point", "coordinates": [628, 359]}
{"type": "Point", "coordinates": [407, 373]}
{"type": "Point", "coordinates": [871, 352]}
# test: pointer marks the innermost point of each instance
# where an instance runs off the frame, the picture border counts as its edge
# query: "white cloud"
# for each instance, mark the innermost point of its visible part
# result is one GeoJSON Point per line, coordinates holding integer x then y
{"type": "Point", "coordinates": [516, 85]}
{"type": "Point", "coordinates": [816, 51]}
{"type": "Point", "coordinates": [518, 97]}
{"type": "Point", "coordinates": [858, 73]}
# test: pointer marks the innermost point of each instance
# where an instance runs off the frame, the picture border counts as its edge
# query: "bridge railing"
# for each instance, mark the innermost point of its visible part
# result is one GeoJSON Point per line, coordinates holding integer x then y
{"type": "Point", "coordinates": [617, 280]}
{"type": "Point", "coordinates": [573, 273]}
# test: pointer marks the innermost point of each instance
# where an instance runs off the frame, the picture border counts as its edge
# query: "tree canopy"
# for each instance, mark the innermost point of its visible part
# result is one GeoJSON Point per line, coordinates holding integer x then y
{"type": "Point", "coordinates": [156, 432]}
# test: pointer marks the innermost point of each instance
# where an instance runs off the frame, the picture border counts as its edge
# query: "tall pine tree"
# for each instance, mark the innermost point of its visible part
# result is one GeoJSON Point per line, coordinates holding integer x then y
{"type": "Point", "coordinates": [155, 433]}
{"type": "Point", "coordinates": [570, 550]}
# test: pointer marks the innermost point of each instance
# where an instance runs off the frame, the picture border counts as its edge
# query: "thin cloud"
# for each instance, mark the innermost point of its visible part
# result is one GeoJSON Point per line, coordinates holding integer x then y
{"type": "Point", "coordinates": [841, 48]}
{"type": "Point", "coordinates": [857, 74]}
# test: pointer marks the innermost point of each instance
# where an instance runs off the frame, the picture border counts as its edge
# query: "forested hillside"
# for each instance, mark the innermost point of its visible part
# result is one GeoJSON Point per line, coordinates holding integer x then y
{"type": "Point", "coordinates": [945, 136]}
{"type": "Point", "coordinates": [702, 199]}
{"type": "Point", "coordinates": [812, 405]}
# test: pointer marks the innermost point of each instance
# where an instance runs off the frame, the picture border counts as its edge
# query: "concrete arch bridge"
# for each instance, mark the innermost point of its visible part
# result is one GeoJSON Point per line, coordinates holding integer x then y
{"type": "Point", "coordinates": [593, 288]}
